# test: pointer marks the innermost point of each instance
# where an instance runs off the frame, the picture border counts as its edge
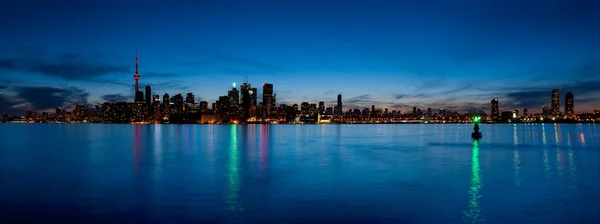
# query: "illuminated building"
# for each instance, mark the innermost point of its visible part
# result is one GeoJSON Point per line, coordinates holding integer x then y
{"type": "Point", "coordinates": [321, 107]}
{"type": "Point", "coordinates": [189, 98]}
{"type": "Point", "coordinates": [234, 102]}
{"type": "Point", "coordinates": [545, 111]}
{"type": "Point", "coordinates": [78, 112]}
{"type": "Point", "coordinates": [166, 99]}
{"type": "Point", "coordinates": [516, 114]}
{"type": "Point", "coordinates": [329, 110]}
{"type": "Point", "coordinates": [569, 104]}
{"type": "Point", "coordinates": [555, 102]}
{"type": "Point", "coordinates": [495, 110]}
{"type": "Point", "coordinates": [203, 106]}
{"type": "Point", "coordinates": [246, 89]}
{"type": "Point", "coordinates": [304, 108]}
{"type": "Point", "coordinates": [156, 99]}
{"type": "Point", "coordinates": [267, 98]}
{"type": "Point", "coordinates": [273, 105]}
{"type": "Point", "coordinates": [253, 99]}
{"type": "Point", "coordinates": [179, 106]}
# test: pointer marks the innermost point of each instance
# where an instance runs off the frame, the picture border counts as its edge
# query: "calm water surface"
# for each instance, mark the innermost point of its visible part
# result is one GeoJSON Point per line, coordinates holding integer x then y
{"type": "Point", "coordinates": [88, 173]}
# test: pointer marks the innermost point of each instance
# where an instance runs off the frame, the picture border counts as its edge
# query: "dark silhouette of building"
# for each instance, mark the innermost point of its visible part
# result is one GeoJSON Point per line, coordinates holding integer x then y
{"type": "Point", "coordinates": [340, 109]}
{"type": "Point", "coordinates": [321, 107]}
{"type": "Point", "coordinates": [253, 98]}
{"type": "Point", "coordinates": [495, 111]}
{"type": "Point", "coordinates": [555, 102]}
{"type": "Point", "coordinates": [166, 99]}
{"type": "Point", "coordinates": [246, 95]}
{"type": "Point", "coordinates": [234, 102]}
{"type": "Point", "coordinates": [545, 111]}
{"type": "Point", "coordinates": [149, 99]}
{"type": "Point", "coordinates": [203, 106]}
{"type": "Point", "coordinates": [189, 98]}
{"type": "Point", "coordinates": [267, 98]}
{"type": "Point", "coordinates": [569, 104]}
{"type": "Point", "coordinates": [525, 112]}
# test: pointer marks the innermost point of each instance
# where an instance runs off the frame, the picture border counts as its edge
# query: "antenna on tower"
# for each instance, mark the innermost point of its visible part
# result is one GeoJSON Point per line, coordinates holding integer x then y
{"type": "Point", "coordinates": [136, 62]}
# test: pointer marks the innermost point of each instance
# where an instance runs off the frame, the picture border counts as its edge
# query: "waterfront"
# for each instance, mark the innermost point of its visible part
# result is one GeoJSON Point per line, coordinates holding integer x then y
{"type": "Point", "coordinates": [526, 173]}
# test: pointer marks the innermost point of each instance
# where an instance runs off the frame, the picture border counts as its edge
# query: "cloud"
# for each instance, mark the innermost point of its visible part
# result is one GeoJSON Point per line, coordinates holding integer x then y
{"type": "Point", "coordinates": [115, 98]}
{"type": "Point", "coordinates": [44, 98]}
{"type": "Point", "coordinates": [535, 97]}
{"type": "Point", "coordinates": [67, 66]}
{"type": "Point", "coordinates": [6, 105]}
{"type": "Point", "coordinates": [400, 96]}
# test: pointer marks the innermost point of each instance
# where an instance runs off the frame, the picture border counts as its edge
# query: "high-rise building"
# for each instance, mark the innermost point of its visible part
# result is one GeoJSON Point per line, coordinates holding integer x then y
{"type": "Point", "coordinates": [555, 102]}
{"type": "Point", "coordinates": [545, 111]}
{"type": "Point", "coordinates": [166, 99]}
{"type": "Point", "coordinates": [203, 106]}
{"type": "Point", "coordinates": [321, 107]}
{"type": "Point", "coordinates": [149, 99]}
{"type": "Point", "coordinates": [267, 98]}
{"type": "Point", "coordinates": [189, 98]}
{"type": "Point", "coordinates": [304, 108]}
{"type": "Point", "coordinates": [340, 109]}
{"type": "Point", "coordinates": [525, 112]}
{"type": "Point", "coordinates": [253, 98]}
{"type": "Point", "coordinates": [274, 105]}
{"type": "Point", "coordinates": [234, 102]}
{"type": "Point", "coordinates": [569, 104]}
{"type": "Point", "coordinates": [495, 111]}
{"type": "Point", "coordinates": [246, 96]}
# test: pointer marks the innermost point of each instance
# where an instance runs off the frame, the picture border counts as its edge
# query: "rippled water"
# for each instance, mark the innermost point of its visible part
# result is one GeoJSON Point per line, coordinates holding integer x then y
{"type": "Point", "coordinates": [88, 173]}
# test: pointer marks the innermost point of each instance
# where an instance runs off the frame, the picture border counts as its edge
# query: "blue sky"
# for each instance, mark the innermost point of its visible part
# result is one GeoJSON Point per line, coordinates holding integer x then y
{"type": "Point", "coordinates": [395, 54]}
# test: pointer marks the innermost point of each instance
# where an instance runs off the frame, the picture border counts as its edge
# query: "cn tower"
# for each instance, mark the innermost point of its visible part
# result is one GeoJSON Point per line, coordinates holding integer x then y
{"type": "Point", "coordinates": [136, 76]}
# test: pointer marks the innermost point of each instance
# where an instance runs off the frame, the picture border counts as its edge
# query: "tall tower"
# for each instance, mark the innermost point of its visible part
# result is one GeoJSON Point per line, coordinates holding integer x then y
{"type": "Point", "coordinates": [267, 98]}
{"type": "Point", "coordinates": [136, 76]}
{"type": "Point", "coordinates": [495, 111]}
{"type": "Point", "coordinates": [555, 102]}
{"type": "Point", "coordinates": [340, 111]}
{"type": "Point", "coordinates": [569, 104]}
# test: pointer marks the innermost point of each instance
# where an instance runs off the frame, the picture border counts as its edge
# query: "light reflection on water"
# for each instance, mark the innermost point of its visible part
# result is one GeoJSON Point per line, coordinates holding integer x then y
{"type": "Point", "coordinates": [268, 173]}
{"type": "Point", "coordinates": [473, 212]}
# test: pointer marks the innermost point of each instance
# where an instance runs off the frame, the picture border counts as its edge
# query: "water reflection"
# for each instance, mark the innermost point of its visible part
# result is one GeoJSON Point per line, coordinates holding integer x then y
{"type": "Point", "coordinates": [137, 148]}
{"type": "Point", "coordinates": [473, 211]}
{"type": "Point", "coordinates": [263, 154]}
{"type": "Point", "coordinates": [232, 197]}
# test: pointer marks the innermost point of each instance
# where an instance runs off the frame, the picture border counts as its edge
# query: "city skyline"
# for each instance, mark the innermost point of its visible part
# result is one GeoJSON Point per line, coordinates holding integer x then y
{"type": "Point", "coordinates": [399, 55]}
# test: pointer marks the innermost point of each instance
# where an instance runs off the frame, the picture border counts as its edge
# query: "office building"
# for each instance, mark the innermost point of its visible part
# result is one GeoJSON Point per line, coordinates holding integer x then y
{"type": "Point", "coordinates": [569, 104]}
{"type": "Point", "coordinates": [495, 111]}
{"type": "Point", "coordinates": [267, 99]}
{"type": "Point", "coordinates": [555, 102]}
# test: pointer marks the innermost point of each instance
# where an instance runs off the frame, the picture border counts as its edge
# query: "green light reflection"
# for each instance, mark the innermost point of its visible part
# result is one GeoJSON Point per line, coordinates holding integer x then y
{"type": "Point", "coordinates": [473, 211]}
{"type": "Point", "coordinates": [232, 197]}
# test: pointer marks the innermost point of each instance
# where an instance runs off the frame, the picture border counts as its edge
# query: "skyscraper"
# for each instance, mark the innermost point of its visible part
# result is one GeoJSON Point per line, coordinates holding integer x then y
{"type": "Point", "coordinates": [149, 99]}
{"type": "Point", "coordinates": [525, 112]}
{"type": "Point", "coordinates": [253, 98]}
{"type": "Point", "coordinates": [234, 102]}
{"type": "Point", "coordinates": [166, 99]}
{"type": "Point", "coordinates": [155, 99]}
{"type": "Point", "coordinates": [340, 111]}
{"type": "Point", "coordinates": [274, 105]}
{"type": "Point", "coordinates": [545, 111]}
{"type": "Point", "coordinates": [189, 98]}
{"type": "Point", "coordinates": [321, 107]}
{"type": "Point", "coordinates": [495, 111]}
{"type": "Point", "coordinates": [569, 104]}
{"type": "Point", "coordinates": [267, 98]}
{"type": "Point", "coordinates": [246, 93]}
{"type": "Point", "coordinates": [555, 102]}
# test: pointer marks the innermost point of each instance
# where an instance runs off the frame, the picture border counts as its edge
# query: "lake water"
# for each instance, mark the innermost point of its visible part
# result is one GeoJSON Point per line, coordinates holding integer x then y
{"type": "Point", "coordinates": [94, 173]}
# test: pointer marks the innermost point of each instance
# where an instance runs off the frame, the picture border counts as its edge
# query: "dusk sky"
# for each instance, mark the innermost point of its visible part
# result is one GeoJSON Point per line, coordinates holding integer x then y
{"type": "Point", "coordinates": [440, 54]}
